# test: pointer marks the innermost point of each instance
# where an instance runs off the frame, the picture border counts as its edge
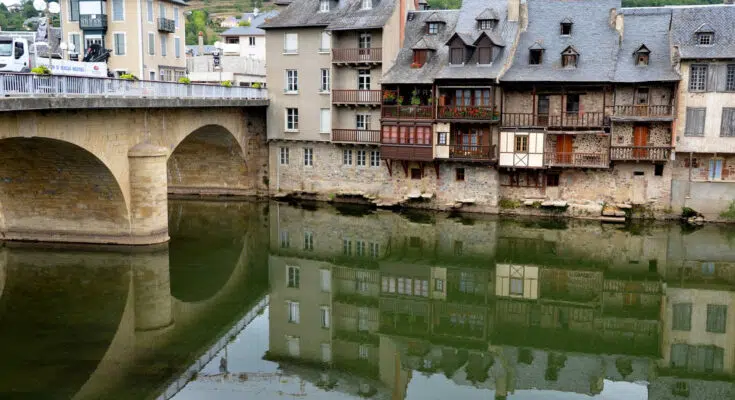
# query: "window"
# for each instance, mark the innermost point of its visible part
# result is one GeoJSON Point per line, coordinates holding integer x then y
{"type": "Point", "coordinates": [566, 28]}
{"type": "Point", "coordinates": [118, 10]}
{"type": "Point", "coordinates": [730, 78]}
{"type": "Point", "coordinates": [705, 38]}
{"type": "Point", "coordinates": [232, 40]}
{"type": "Point", "coordinates": [324, 80]}
{"type": "Point", "coordinates": [161, 10]}
{"type": "Point", "coordinates": [362, 319]}
{"type": "Point", "coordinates": [363, 79]}
{"type": "Point", "coordinates": [149, 6]}
{"type": "Point", "coordinates": [119, 39]}
{"type": "Point", "coordinates": [294, 348]}
{"type": "Point", "coordinates": [309, 241]}
{"type": "Point", "coordinates": [324, 313]}
{"type": "Point", "coordinates": [521, 144]}
{"type": "Point", "coordinates": [284, 155]}
{"type": "Point", "coordinates": [484, 55]}
{"type": "Point", "coordinates": [374, 250]}
{"type": "Point", "coordinates": [641, 59]}
{"type": "Point", "coordinates": [363, 352]}
{"type": "Point", "coordinates": [176, 17]}
{"type": "Point", "coordinates": [76, 40]}
{"type": "Point", "coordinates": [326, 42]}
{"type": "Point", "coordinates": [293, 312]}
{"type": "Point", "coordinates": [641, 96]}
{"type": "Point", "coordinates": [177, 47]}
{"type": "Point", "coordinates": [698, 78]}
{"type": "Point", "coordinates": [152, 75]}
{"type": "Point", "coordinates": [360, 248]}
{"type": "Point", "coordinates": [375, 158]}
{"type": "Point", "coordinates": [325, 279]}
{"type": "Point", "coordinates": [456, 55]}
{"type": "Point", "coordinates": [308, 156]}
{"type": "Point", "coordinates": [486, 24]}
{"type": "Point", "coordinates": [658, 170]}
{"type": "Point", "coordinates": [715, 169]}
{"type": "Point", "coordinates": [163, 45]}
{"type": "Point", "coordinates": [442, 138]}
{"type": "Point", "coordinates": [362, 122]}
{"type": "Point", "coordinates": [361, 158]}
{"type": "Point", "coordinates": [251, 41]}
{"type": "Point", "coordinates": [325, 120]}
{"type": "Point", "coordinates": [292, 81]}
{"type": "Point", "coordinates": [419, 57]}
{"type": "Point", "coordinates": [432, 28]}
{"type": "Point", "coordinates": [415, 173]}
{"type": "Point", "coordinates": [347, 157]}
{"type": "Point", "coordinates": [439, 285]}
{"type": "Point", "coordinates": [323, 5]}
{"type": "Point", "coordinates": [292, 119]}
{"type": "Point", "coordinates": [572, 103]}
{"type": "Point", "coordinates": [569, 60]}
{"type": "Point", "coordinates": [74, 11]}
{"type": "Point", "coordinates": [291, 43]}
{"type": "Point", "coordinates": [346, 247]}
{"type": "Point", "coordinates": [516, 286]}
{"type": "Point", "coordinates": [151, 44]}
{"type": "Point", "coordinates": [728, 122]}
{"type": "Point", "coordinates": [716, 318]}
{"type": "Point", "coordinates": [366, 4]}
{"type": "Point", "coordinates": [365, 41]}
{"type": "Point", "coordinates": [459, 174]}
{"type": "Point", "coordinates": [708, 268]}
{"type": "Point", "coordinates": [695, 121]}
{"type": "Point", "coordinates": [326, 352]}
{"type": "Point", "coordinates": [535, 56]}
{"type": "Point", "coordinates": [682, 320]}
{"type": "Point", "coordinates": [552, 180]}
{"type": "Point", "coordinates": [458, 247]}
{"type": "Point", "coordinates": [294, 276]}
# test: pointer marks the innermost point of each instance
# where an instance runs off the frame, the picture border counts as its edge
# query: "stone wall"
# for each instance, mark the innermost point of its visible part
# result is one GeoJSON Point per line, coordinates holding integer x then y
{"type": "Point", "coordinates": [657, 95]}
{"type": "Point", "coordinates": [523, 102]}
{"type": "Point", "coordinates": [329, 177]}
{"type": "Point", "coordinates": [659, 134]}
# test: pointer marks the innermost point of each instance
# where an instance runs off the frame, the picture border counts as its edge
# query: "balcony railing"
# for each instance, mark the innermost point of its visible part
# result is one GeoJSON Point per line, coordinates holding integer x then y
{"type": "Point", "coordinates": [166, 25]}
{"type": "Point", "coordinates": [371, 55]}
{"type": "Point", "coordinates": [583, 160]}
{"type": "Point", "coordinates": [470, 152]}
{"type": "Point", "coordinates": [356, 136]}
{"type": "Point", "coordinates": [484, 113]}
{"type": "Point", "coordinates": [93, 21]}
{"type": "Point", "coordinates": [24, 85]}
{"type": "Point", "coordinates": [408, 112]}
{"type": "Point", "coordinates": [643, 153]}
{"type": "Point", "coordinates": [643, 110]}
{"type": "Point", "coordinates": [563, 120]}
{"type": "Point", "coordinates": [356, 97]}
{"type": "Point", "coordinates": [410, 152]}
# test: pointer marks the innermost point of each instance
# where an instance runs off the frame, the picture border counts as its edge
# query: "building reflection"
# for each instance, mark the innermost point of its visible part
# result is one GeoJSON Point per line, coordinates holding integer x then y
{"type": "Point", "coordinates": [503, 305]}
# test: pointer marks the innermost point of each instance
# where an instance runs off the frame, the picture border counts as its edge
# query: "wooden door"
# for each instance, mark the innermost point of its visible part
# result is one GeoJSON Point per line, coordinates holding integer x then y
{"type": "Point", "coordinates": [640, 141]}
{"type": "Point", "coordinates": [542, 110]}
{"type": "Point", "coordinates": [564, 149]}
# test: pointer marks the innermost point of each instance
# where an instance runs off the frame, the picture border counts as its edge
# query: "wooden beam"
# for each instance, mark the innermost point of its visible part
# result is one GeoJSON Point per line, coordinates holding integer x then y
{"type": "Point", "coordinates": [390, 169]}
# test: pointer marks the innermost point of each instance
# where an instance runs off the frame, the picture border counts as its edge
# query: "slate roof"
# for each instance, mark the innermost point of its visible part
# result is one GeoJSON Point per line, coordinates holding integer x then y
{"type": "Point", "coordinates": [647, 27]}
{"type": "Point", "coordinates": [194, 49]}
{"type": "Point", "coordinates": [344, 15]}
{"type": "Point", "coordinates": [487, 14]}
{"type": "Point", "coordinates": [401, 72]}
{"type": "Point", "coordinates": [255, 22]}
{"type": "Point", "coordinates": [503, 35]}
{"type": "Point", "coordinates": [592, 36]}
{"type": "Point", "coordinates": [687, 20]}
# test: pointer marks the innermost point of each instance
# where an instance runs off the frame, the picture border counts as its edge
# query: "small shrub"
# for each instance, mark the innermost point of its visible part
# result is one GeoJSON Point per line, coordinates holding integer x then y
{"type": "Point", "coordinates": [508, 203]}
{"type": "Point", "coordinates": [730, 212]}
{"type": "Point", "coordinates": [226, 83]}
{"type": "Point", "coordinates": [244, 23]}
{"type": "Point", "coordinates": [41, 70]}
{"type": "Point", "coordinates": [687, 212]}
{"type": "Point", "coordinates": [184, 80]}
{"type": "Point", "coordinates": [129, 77]}
{"type": "Point", "coordinates": [255, 85]}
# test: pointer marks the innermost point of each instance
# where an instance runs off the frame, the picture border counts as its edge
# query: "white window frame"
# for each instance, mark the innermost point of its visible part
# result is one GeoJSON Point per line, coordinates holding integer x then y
{"type": "Point", "coordinates": [293, 343]}
{"type": "Point", "coordinates": [308, 157]}
{"type": "Point", "coordinates": [283, 155]}
{"type": "Point", "coordinates": [323, 6]}
{"type": "Point", "coordinates": [161, 9]}
{"type": "Point", "coordinates": [308, 241]}
{"type": "Point", "coordinates": [325, 120]}
{"type": "Point", "coordinates": [151, 44]}
{"type": "Point", "coordinates": [125, 43]}
{"type": "Point", "coordinates": [292, 81]}
{"type": "Point", "coordinates": [325, 83]}
{"type": "Point", "coordinates": [363, 79]}
{"type": "Point", "coordinates": [325, 317]}
{"type": "Point", "coordinates": [362, 121]}
{"type": "Point", "coordinates": [149, 11]}
{"type": "Point", "coordinates": [176, 17]}
{"type": "Point", "coordinates": [112, 17]}
{"type": "Point", "coordinates": [325, 280]}
{"type": "Point", "coordinates": [294, 312]}
{"type": "Point", "coordinates": [286, 49]}
{"type": "Point", "coordinates": [251, 41]}
{"type": "Point", "coordinates": [79, 35]}
{"type": "Point", "coordinates": [375, 158]}
{"type": "Point", "coordinates": [177, 46]}
{"type": "Point", "coordinates": [294, 119]}
{"type": "Point", "coordinates": [285, 239]}
{"type": "Point", "coordinates": [296, 277]}
{"type": "Point", "coordinates": [363, 352]}
{"type": "Point", "coordinates": [347, 157]}
{"type": "Point", "coordinates": [362, 162]}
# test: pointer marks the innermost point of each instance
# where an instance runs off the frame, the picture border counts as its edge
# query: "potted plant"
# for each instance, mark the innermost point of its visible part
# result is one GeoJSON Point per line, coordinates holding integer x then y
{"type": "Point", "coordinates": [389, 97]}
{"type": "Point", "coordinates": [226, 84]}
{"type": "Point", "coordinates": [41, 70]}
{"type": "Point", "coordinates": [184, 80]}
{"type": "Point", "coordinates": [128, 77]}
{"type": "Point", "coordinates": [256, 85]}
{"type": "Point", "coordinates": [415, 65]}
{"type": "Point", "coordinates": [41, 79]}
{"type": "Point", "coordinates": [415, 99]}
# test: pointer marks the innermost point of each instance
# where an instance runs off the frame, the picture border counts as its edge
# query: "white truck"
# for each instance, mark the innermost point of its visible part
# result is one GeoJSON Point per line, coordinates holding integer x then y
{"type": "Point", "coordinates": [19, 52]}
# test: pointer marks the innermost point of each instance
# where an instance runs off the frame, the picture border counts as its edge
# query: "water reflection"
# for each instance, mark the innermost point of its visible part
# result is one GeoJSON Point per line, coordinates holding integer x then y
{"type": "Point", "coordinates": [415, 304]}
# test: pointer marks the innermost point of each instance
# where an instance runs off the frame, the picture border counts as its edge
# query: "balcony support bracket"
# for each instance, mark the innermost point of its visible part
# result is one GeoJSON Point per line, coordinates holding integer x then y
{"type": "Point", "coordinates": [390, 167]}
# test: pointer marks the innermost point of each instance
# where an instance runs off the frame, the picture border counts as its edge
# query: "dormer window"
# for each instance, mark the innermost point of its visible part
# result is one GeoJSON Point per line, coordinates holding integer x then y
{"type": "Point", "coordinates": [569, 57]}
{"type": "Point", "coordinates": [419, 58]}
{"type": "Point", "coordinates": [324, 5]}
{"type": "Point", "coordinates": [642, 56]}
{"type": "Point", "coordinates": [486, 24]}
{"type": "Point", "coordinates": [456, 55]}
{"type": "Point", "coordinates": [535, 56]}
{"type": "Point", "coordinates": [566, 27]}
{"type": "Point", "coordinates": [432, 28]}
{"type": "Point", "coordinates": [705, 38]}
{"type": "Point", "coordinates": [485, 55]}
{"type": "Point", "coordinates": [366, 4]}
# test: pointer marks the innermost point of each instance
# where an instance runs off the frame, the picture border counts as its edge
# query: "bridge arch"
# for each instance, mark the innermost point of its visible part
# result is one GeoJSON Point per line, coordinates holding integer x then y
{"type": "Point", "coordinates": [53, 190]}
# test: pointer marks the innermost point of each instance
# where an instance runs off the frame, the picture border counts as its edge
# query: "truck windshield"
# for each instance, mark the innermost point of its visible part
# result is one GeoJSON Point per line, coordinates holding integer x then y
{"type": "Point", "coordinates": [6, 49]}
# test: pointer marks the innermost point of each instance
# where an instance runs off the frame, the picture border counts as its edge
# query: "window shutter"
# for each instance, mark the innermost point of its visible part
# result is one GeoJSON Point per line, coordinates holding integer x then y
{"type": "Point", "coordinates": [720, 72]}
{"type": "Point", "coordinates": [728, 122]}
{"type": "Point", "coordinates": [695, 122]}
{"type": "Point", "coordinates": [711, 78]}
{"type": "Point", "coordinates": [117, 10]}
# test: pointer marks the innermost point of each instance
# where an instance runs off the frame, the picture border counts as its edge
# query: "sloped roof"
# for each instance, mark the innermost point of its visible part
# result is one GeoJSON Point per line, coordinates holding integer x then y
{"type": "Point", "coordinates": [255, 22]}
{"type": "Point", "coordinates": [686, 21]}
{"type": "Point", "coordinates": [466, 38]}
{"type": "Point", "coordinates": [401, 72]}
{"type": "Point", "coordinates": [592, 36]}
{"type": "Point", "coordinates": [646, 28]}
{"type": "Point", "coordinates": [487, 14]}
{"type": "Point", "coordinates": [347, 15]}
{"type": "Point", "coordinates": [434, 17]}
{"type": "Point", "coordinates": [424, 44]}
{"type": "Point", "coordinates": [493, 36]}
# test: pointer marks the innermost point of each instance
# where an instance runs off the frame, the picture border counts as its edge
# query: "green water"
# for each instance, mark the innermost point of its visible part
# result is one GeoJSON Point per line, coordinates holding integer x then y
{"type": "Point", "coordinates": [398, 305]}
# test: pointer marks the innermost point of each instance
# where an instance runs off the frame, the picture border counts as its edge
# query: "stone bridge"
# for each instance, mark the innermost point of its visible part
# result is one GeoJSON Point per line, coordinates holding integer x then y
{"type": "Point", "coordinates": [99, 170]}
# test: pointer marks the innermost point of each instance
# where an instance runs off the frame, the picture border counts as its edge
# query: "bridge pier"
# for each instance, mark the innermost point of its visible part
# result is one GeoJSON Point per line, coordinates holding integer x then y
{"type": "Point", "coordinates": [148, 194]}
{"type": "Point", "coordinates": [152, 290]}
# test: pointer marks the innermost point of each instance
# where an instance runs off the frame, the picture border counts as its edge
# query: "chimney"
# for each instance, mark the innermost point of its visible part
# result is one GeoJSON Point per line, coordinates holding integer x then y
{"type": "Point", "coordinates": [513, 10]}
{"type": "Point", "coordinates": [200, 50]}
{"type": "Point", "coordinates": [402, 26]}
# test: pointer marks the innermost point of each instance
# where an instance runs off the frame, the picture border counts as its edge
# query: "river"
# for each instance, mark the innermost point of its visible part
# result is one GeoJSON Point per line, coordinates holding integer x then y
{"type": "Point", "coordinates": [271, 300]}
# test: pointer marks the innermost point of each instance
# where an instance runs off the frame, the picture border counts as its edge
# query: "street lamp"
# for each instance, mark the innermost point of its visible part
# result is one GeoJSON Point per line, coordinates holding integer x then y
{"type": "Point", "coordinates": [47, 9]}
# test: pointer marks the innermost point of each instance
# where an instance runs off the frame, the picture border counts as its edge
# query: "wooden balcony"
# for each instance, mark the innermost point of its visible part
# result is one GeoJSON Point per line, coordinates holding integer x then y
{"type": "Point", "coordinates": [469, 113]}
{"type": "Point", "coordinates": [643, 112]}
{"type": "Point", "coordinates": [408, 112]}
{"type": "Point", "coordinates": [578, 160]}
{"type": "Point", "coordinates": [640, 153]}
{"type": "Point", "coordinates": [372, 55]}
{"type": "Point", "coordinates": [571, 120]}
{"type": "Point", "coordinates": [408, 152]}
{"type": "Point", "coordinates": [462, 152]}
{"type": "Point", "coordinates": [356, 136]}
{"type": "Point", "coordinates": [356, 97]}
